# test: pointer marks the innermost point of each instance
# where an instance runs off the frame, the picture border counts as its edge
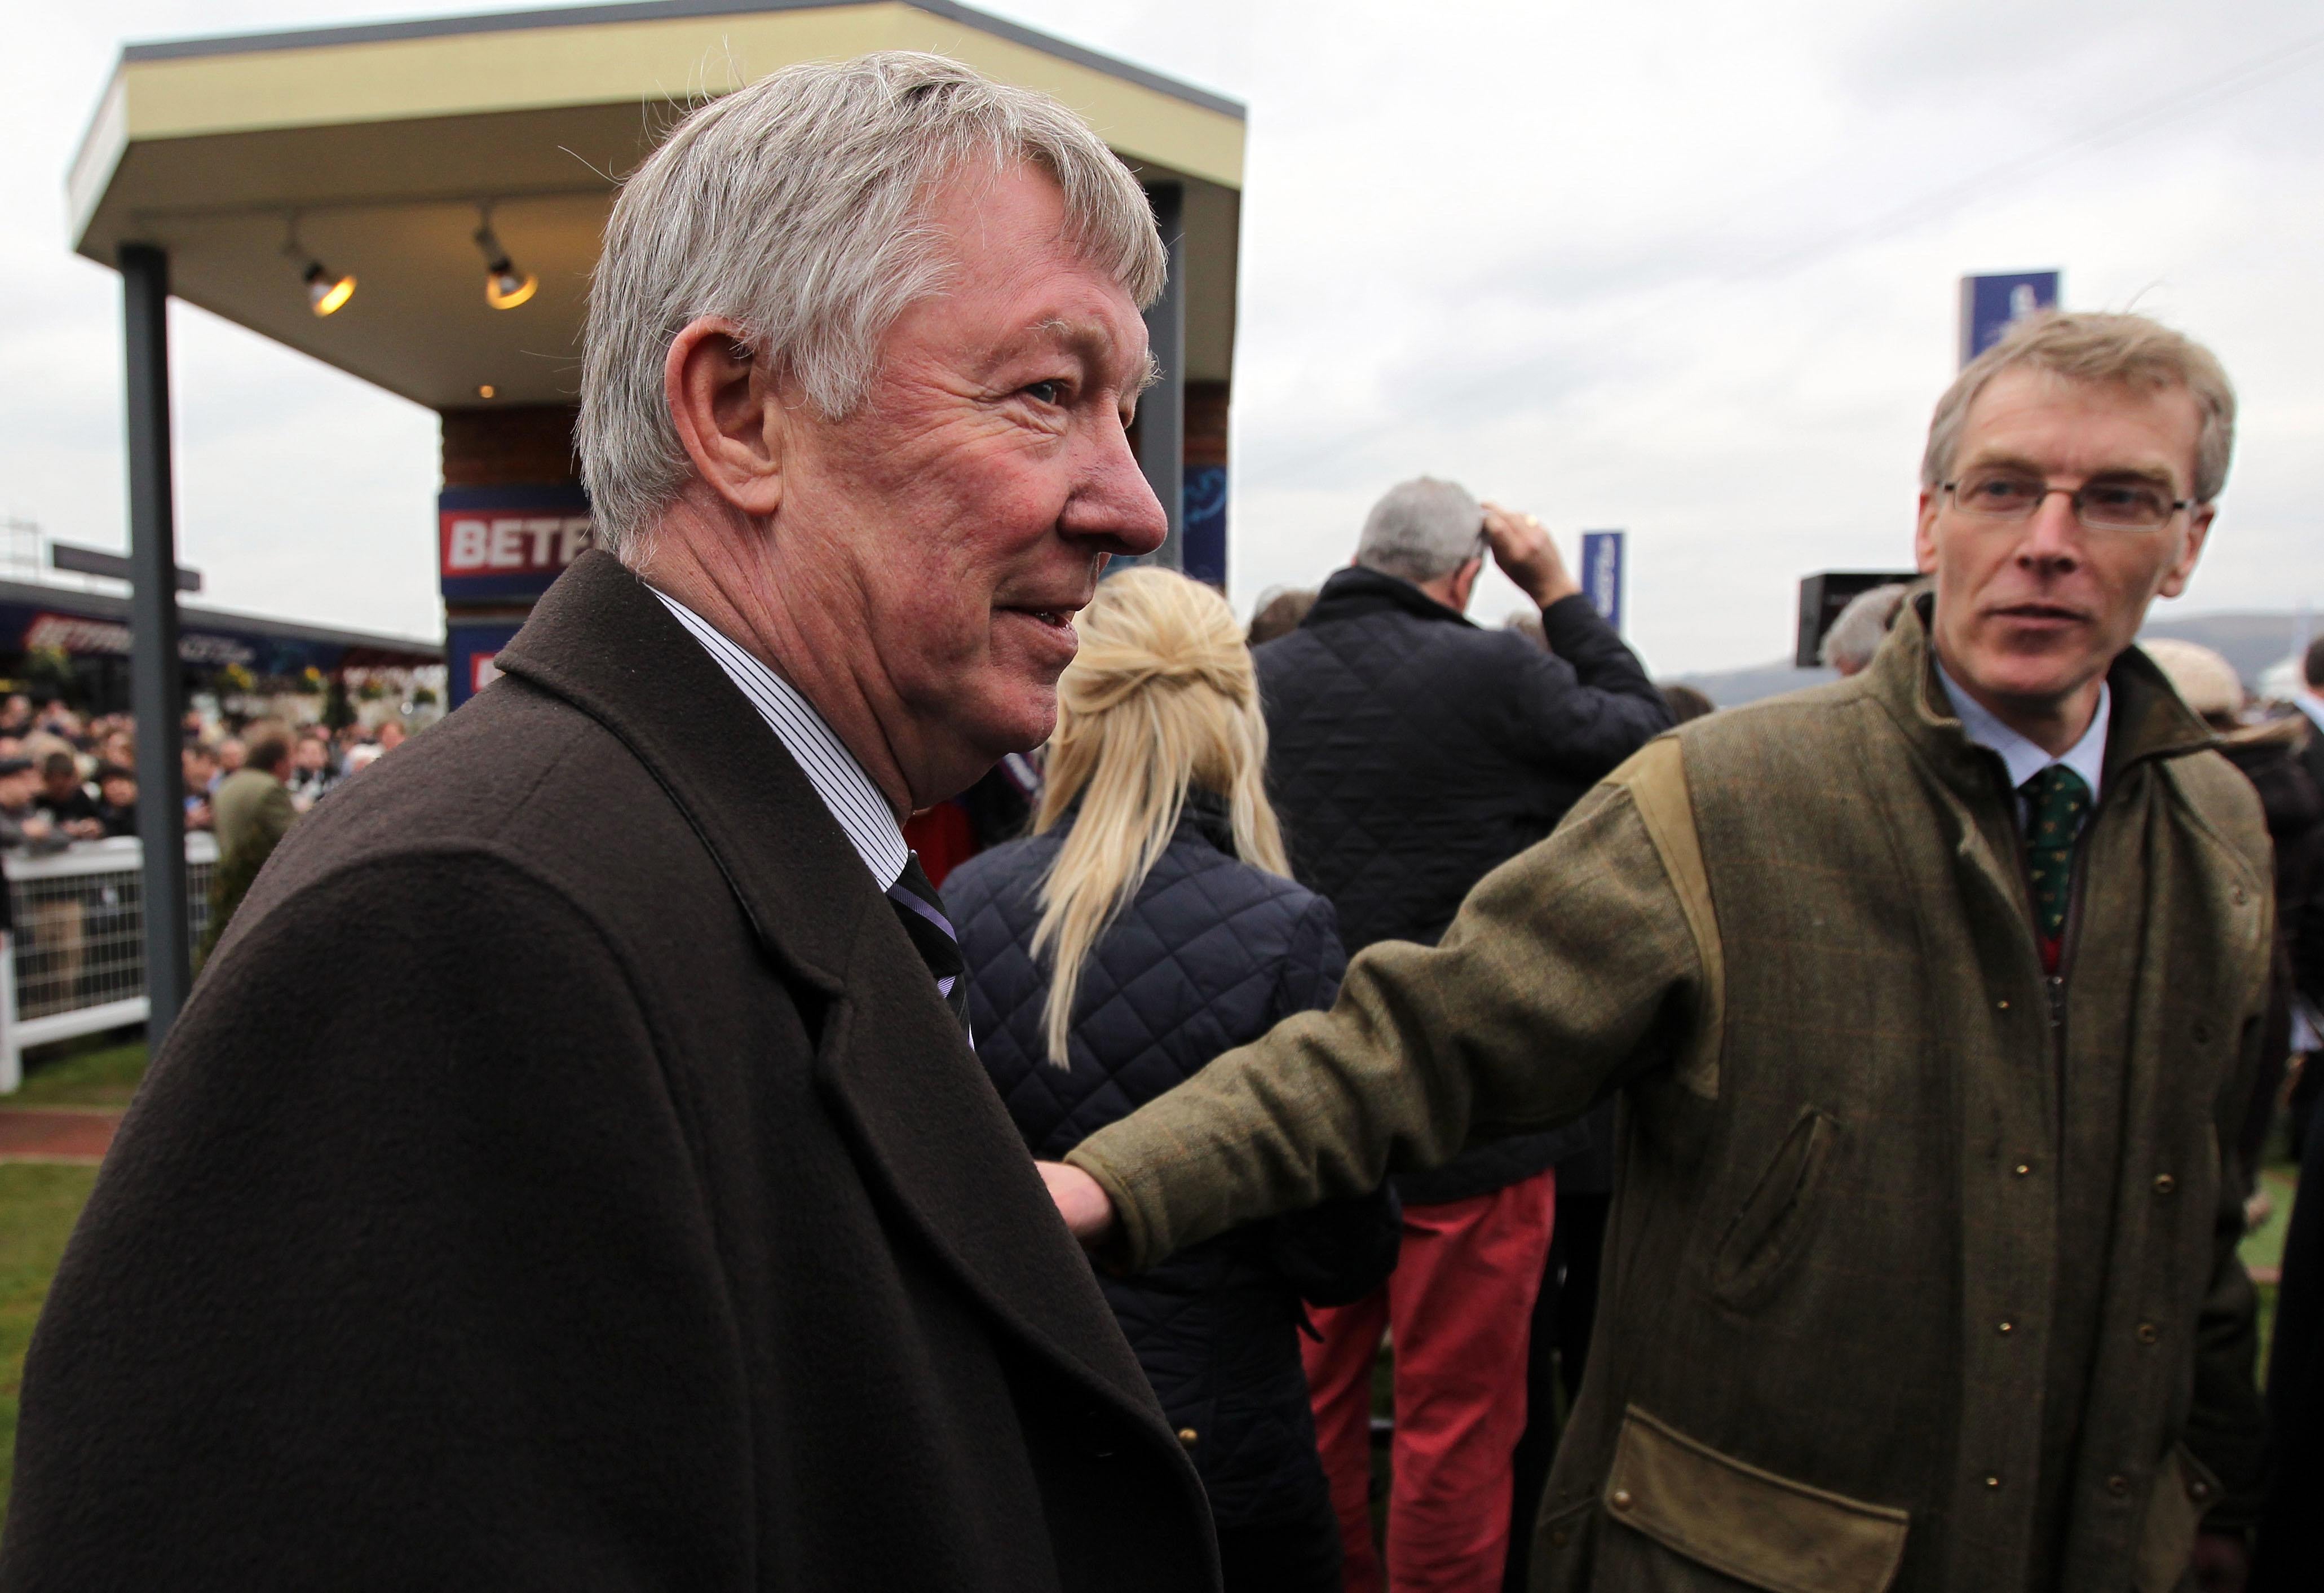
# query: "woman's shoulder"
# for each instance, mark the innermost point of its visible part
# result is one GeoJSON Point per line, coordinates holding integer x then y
{"type": "Point", "coordinates": [997, 868]}
{"type": "Point", "coordinates": [1231, 882]}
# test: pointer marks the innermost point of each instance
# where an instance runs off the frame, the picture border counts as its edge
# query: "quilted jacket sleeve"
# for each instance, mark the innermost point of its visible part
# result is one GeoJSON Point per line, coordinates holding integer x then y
{"type": "Point", "coordinates": [1570, 970]}
{"type": "Point", "coordinates": [1589, 704]}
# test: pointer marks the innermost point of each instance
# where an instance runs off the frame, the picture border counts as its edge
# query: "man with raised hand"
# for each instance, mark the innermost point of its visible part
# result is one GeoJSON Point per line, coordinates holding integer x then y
{"type": "Point", "coordinates": [1931, 997]}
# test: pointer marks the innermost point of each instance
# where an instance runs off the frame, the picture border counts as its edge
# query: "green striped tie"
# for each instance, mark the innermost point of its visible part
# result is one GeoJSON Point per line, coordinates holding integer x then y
{"type": "Point", "coordinates": [2057, 800]}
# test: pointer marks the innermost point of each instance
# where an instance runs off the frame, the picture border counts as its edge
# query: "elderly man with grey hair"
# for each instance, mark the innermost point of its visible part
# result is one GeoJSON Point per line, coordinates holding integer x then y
{"type": "Point", "coordinates": [1411, 752]}
{"type": "Point", "coordinates": [572, 1169]}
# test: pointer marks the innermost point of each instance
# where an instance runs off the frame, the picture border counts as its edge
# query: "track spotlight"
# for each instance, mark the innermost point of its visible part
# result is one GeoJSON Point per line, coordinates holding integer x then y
{"type": "Point", "coordinates": [505, 287]}
{"type": "Point", "coordinates": [326, 292]}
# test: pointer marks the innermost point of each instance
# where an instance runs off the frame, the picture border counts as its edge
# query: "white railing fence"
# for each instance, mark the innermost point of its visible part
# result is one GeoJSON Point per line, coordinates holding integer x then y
{"type": "Point", "coordinates": [76, 964]}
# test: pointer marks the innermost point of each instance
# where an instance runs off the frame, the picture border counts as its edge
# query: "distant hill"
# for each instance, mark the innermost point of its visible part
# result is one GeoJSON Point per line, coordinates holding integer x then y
{"type": "Point", "coordinates": [2250, 642]}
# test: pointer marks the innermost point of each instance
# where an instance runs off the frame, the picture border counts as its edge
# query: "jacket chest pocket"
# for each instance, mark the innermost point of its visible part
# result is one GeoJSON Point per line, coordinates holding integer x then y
{"type": "Point", "coordinates": [1778, 1217]}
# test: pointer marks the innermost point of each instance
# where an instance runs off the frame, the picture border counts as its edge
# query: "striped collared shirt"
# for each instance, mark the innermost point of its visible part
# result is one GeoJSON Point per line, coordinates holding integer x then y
{"type": "Point", "coordinates": [830, 768]}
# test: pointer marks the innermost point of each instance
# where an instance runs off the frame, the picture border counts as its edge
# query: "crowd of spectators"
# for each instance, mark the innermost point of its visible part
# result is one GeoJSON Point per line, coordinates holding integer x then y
{"type": "Point", "coordinates": [67, 776]}
{"type": "Point", "coordinates": [70, 778]}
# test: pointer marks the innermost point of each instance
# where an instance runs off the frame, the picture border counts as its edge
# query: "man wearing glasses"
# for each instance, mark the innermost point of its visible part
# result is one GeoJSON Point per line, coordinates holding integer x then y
{"type": "Point", "coordinates": [1929, 996]}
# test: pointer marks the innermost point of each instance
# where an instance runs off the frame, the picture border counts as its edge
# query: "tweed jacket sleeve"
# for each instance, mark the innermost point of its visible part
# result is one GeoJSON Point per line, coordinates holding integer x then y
{"type": "Point", "coordinates": [1583, 964]}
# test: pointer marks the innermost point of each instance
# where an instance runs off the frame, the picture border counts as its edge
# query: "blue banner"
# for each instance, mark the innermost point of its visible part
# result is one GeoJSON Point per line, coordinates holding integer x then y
{"type": "Point", "coordinates": [469, 650]}
{"type": "Point", "coordinates": [1602, 573]}
{"type": "Point", "coordinates": [1988, 304]}
{"type": "Point", "coordinates": [1202, 553]}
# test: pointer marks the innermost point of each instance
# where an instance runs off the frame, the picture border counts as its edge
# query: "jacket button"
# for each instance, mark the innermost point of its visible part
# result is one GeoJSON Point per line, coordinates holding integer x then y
{"type": "Point", "coordinates": [2199, 1491]}
{"type": "Point", "coordinates": [2023, 1168]}
{"type": "Point", "coordinates": [2118, 1485]}
{"type": "Point", "coordinates": [2004, 1328]}
{"type": "Point", "coordinates": [2164, 1183]}
{"type": "Point", "coordinates": [1621, 1499]}
{"type": "Point", "coordinates": [2148, 1334]}
{"type": "Point", "coordinates": [1189, 1437]}
{"type": "Point", "coordinates": [2001, 1005]}
{"type": "Point", "coordinates": [1992, 1481]}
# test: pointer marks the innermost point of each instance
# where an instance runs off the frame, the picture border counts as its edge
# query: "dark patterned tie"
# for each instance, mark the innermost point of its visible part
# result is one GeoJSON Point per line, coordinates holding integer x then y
{"type": "Point", "coordinates": [2057, 801]}
{"type": "Point", "coordinates": [922, 911]}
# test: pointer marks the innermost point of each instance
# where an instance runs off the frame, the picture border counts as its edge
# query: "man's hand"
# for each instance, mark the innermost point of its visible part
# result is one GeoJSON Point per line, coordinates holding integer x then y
{"type": "Point", "coordinates": [1082, 1202]}
{"type": "Point", "coordinates": [1528, 556]}
{"type": "Point", "coordinates": [2222, 1563]}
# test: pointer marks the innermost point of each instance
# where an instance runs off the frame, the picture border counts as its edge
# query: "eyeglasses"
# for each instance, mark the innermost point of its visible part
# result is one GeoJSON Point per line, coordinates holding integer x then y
{"type": "Point", "coordinates": [2116, 503]}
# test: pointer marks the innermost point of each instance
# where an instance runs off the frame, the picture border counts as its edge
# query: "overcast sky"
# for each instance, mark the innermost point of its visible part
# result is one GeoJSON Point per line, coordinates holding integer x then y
{"type": "Point", "coordinates": [1688, 268]}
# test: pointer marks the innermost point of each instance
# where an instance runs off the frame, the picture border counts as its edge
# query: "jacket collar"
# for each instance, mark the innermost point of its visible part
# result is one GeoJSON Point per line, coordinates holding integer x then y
{"type": "Point", "coordinates": [1204, 816]}
{"type": "Point", "coordinates": [1354, 593]}
{"type": "Point", "coordinates": [2150, 722]}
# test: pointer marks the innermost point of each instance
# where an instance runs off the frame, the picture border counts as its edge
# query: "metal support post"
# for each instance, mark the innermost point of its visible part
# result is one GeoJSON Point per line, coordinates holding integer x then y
{"type": "Point", "coordinates": [1162, 412]}
{"type": "Point", "coordinates": [156, 689]}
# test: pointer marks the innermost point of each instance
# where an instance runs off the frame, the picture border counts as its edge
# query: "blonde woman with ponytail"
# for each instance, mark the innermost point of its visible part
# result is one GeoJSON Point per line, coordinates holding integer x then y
{"type": "Point", "coordinates": [1147, 925]}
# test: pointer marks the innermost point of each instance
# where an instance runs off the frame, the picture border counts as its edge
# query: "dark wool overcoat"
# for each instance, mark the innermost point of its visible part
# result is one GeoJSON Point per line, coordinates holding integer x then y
{"type": "Point", "coordinates": [565, 1175]}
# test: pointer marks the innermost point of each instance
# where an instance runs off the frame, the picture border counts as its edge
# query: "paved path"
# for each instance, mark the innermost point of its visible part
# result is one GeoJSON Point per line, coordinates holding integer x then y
{"type": "Point", "coordinates": [78, 1134]}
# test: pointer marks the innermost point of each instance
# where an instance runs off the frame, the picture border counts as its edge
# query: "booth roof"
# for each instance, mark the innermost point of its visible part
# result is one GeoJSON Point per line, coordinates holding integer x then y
{"type": "Point", "coordinates": [372, 149]}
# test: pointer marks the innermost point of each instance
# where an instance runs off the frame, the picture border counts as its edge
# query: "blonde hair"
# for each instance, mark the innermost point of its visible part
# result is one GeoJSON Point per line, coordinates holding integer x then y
{"type": "Point", "coordinates": [1161, 699]}
{"type": "Point", "coordinates": [2119, 350]}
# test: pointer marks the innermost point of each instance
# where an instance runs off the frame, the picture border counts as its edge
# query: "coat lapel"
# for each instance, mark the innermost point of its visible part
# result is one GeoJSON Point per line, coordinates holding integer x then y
{"type": "Point", "coordinates": [931, 1136]}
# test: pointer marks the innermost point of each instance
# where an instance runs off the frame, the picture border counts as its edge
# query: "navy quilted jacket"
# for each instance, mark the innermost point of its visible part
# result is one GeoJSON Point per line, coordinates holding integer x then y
{"type": "Point", "coordinates": [1411, 752]}
{"type": "Point", "coordinates": [1211, 954]}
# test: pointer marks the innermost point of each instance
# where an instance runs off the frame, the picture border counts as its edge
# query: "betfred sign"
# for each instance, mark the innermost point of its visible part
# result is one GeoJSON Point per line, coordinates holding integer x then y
{"type": "Point", "coordinates": [481, 545]}
{"type": "Point", "coordinates": [508, 542]}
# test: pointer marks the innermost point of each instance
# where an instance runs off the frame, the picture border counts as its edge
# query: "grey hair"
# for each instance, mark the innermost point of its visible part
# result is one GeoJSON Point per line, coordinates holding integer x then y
{"type": "Point", "coordinates": [1862, 626]}
{"type": "Point", "coordinates": [1421, 529]}
{"type": "Point", "coordinates": [798, 208]}
{"type": "Point", "coordinates": [2121, 350]}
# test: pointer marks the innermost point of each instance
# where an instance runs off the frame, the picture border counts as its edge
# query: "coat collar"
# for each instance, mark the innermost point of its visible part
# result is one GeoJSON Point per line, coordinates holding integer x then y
{"type": "Point", "coordinates": [600, 641]}
{"type": "Point", "coordinates": [1355, 593]}
{"type": "Point", "coordinates": [929, 1130]}
{"type": "Point", "coordinates": [2150, 722]}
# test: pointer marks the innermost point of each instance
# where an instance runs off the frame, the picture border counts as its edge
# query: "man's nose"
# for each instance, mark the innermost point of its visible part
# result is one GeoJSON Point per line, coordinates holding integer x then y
{"type": "Point", "coordinates": [2053, 535]}
{"type": "Point", "coordinates": [1113, 508]}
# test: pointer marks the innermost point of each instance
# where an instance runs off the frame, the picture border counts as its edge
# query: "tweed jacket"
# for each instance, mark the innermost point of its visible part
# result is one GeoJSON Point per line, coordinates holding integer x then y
{"type": "Point", "coordinates": [566, 1175]}
{"type": "Point", "coordinates": [1922, 1270]}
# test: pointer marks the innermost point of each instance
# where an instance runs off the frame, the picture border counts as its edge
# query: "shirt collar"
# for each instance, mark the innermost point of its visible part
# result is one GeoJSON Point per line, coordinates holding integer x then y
{"type": "Point", "coordinates": [2022, 758]}
{"type": "Point", "coordinates": [2309, 703]}
{"type": "Point", "coordinates": [830, 768]}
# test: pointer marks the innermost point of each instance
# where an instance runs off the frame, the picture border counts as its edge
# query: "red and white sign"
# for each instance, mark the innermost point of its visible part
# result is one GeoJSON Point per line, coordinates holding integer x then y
{"type": "Point", "coordinates": [475, 542]}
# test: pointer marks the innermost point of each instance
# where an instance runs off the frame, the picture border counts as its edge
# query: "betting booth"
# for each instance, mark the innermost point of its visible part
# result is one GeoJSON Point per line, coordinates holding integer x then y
{"type": "Point", "coordinates": [420, 204]}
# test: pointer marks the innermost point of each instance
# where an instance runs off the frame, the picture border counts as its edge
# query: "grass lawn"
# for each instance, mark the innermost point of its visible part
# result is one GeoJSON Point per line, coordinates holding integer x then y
{"type": "Point", "coordinates": [2262, 1247]}
{"type": "Point", "coordinates": [104, 1077]}
{"type": "Point", "coordinates": [38, 1205]}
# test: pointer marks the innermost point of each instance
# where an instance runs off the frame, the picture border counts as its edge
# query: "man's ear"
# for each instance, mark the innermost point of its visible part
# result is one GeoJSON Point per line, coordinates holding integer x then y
{"type": "Point", "coordinates": [1924, 535]}
{"type": "Point", "coordinates": [1464, 582]}
{"type": "Point", "coordinates": [2199, 532]}
{"type": "Point", "coordinates": [728, 413]}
